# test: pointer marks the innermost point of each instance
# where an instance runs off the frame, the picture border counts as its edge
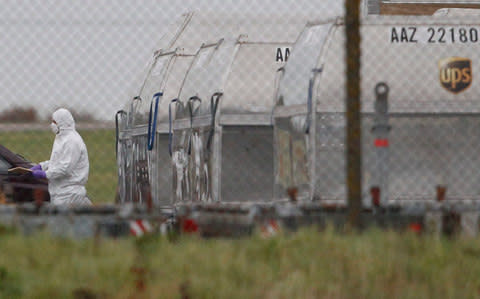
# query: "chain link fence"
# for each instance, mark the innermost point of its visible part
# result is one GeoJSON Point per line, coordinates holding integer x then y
{"type": "Point", "coordinates": [247, 104]}
{"type": "Point", "coordinates": [418, 136]}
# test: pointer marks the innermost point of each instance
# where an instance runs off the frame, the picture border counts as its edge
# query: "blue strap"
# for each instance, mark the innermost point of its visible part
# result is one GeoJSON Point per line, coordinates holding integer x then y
{"type": "Point", "coordinates": [153, 127]}
{"type": "Point", "coordinates": [170, 126]}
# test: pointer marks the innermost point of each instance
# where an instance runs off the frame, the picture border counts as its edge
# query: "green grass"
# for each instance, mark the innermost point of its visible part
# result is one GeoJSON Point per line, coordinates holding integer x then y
{"type": "Point", "coordinates": [307, 264]}
{"type": "Point", "coordinates": [36, 146]}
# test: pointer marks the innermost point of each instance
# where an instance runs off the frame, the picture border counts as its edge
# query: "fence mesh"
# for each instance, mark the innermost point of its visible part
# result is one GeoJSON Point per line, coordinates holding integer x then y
{"type": "Point", "coordinates": [252, 103]}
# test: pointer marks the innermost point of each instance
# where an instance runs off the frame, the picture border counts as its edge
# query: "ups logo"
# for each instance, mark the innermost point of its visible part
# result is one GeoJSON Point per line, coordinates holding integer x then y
{"type": "Point", "coordinates": [455, 73]}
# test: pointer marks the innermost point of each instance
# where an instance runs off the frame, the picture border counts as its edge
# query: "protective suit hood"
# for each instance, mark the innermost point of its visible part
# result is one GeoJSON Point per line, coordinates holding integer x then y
{"type": "Point", "coordinates": [64, 119]}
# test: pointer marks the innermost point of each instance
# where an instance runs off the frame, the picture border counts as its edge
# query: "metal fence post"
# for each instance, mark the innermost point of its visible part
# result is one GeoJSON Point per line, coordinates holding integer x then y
{"type": "Point", "coordinates": [353, 142]}
{"type": "Point", "coordinates": [380, 131]}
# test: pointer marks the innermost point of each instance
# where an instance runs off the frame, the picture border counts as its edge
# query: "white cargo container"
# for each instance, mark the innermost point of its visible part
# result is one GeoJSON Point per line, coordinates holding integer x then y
{"type": "Point", "coordinates": [182, 149]}
{"type": "Point", "coordinates": [431, 67]}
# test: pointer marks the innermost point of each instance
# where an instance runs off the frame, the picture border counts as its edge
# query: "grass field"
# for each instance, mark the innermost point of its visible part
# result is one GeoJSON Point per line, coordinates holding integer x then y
{"type": "Point", "coordinates": [307, 264]}
{"type": "Point", "coordinates": [36, 146]}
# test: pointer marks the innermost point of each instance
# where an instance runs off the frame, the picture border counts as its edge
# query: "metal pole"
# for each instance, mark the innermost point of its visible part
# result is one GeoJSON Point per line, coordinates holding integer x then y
{"type": "Point", "coordinates": [381, 130]}
{"type": "Point", "coordinates": [354, 146]}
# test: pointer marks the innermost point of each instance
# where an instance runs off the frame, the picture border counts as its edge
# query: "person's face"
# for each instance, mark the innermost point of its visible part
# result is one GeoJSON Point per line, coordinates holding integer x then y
{"type": "Point", "coordinates": [54, 127]}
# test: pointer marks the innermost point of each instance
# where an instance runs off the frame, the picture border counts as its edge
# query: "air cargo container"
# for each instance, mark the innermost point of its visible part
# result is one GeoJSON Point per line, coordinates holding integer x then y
{"type": "Point", "coordinates": [199, 127]}
{"type": "Point", "coordinates": [427, 68]}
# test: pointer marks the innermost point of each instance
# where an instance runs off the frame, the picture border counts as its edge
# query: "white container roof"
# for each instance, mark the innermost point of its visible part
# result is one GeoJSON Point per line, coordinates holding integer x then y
{"type": "Point", "coordinates": [166, 74]}
{"type": "Point", "coordinates": [193, 29]}
{"type": "Point", "coordinates": [243, 67]}
{"type": "Point", "coordinates": [207, 74]}
{"type": "Point", "coordinates": [244, 72]}
{"type": "Point", "coordinates": [247, 82]}
{"type": "Point", "coordinates": [411, 69]}
{"type": "Point", "coordinates": [293, 87]}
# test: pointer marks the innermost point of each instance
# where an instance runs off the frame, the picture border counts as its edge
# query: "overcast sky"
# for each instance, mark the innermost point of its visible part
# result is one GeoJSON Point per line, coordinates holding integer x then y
{"type": "Point", "coordinates": [84, 54]}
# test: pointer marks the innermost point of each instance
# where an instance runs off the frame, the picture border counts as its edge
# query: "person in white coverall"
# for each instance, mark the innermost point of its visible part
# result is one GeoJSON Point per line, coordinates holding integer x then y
{"type": "Point", "coordinates": [67, 169]}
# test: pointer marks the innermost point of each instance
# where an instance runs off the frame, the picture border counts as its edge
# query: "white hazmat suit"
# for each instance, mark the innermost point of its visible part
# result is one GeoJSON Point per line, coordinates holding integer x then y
{"type": "Point", "coordinates": [67, 169]}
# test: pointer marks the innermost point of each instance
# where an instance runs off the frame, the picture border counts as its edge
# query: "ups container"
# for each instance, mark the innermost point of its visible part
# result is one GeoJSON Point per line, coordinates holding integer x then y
{"type": "Point", "coordinates": [430, 65]}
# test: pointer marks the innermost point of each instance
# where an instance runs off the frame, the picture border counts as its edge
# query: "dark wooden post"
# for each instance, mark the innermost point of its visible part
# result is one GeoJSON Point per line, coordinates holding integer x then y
{"type": "Point", "coordinates": [354, 145]}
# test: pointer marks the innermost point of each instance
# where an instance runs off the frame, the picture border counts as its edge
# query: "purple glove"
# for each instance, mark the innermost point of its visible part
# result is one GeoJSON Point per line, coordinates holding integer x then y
{"type": "Point", "coordinates": [36, 167]}
{"type": "Point", "coordinates": [39, 174]}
